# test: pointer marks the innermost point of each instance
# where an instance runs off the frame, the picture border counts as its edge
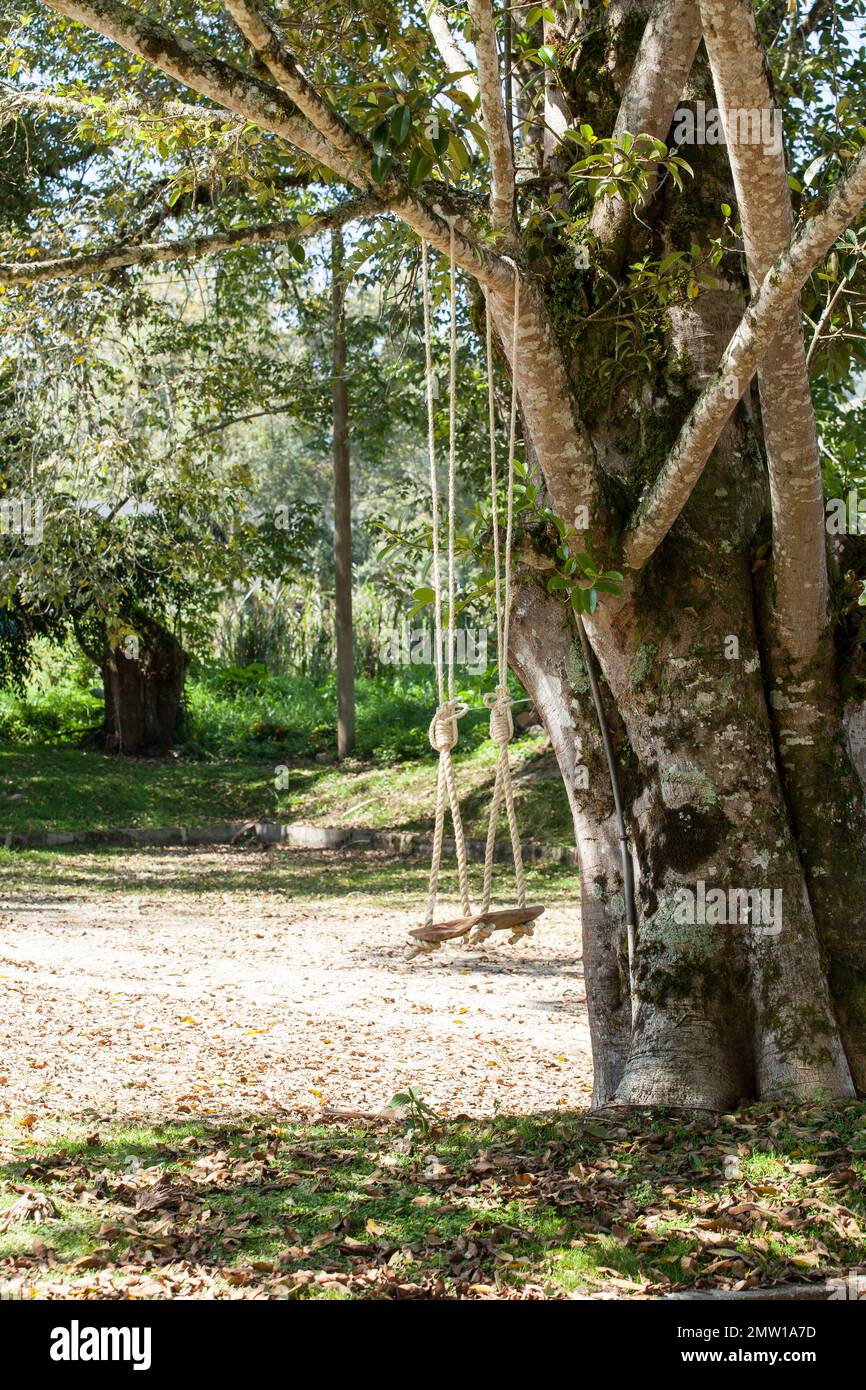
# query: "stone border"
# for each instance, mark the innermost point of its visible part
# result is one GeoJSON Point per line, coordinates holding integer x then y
{"type": "Point", "coordinates": [294, 836]}
{"type": "Point", "coordinates": [772, 1293]}
{"type": "Point", "coordinates": [814, 1292]}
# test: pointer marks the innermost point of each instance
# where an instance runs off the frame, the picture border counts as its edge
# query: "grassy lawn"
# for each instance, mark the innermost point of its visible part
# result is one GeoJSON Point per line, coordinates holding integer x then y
{"type": "Point", "coordinates": [528, 1206]}
{"type": "Point", "coordinates": [66, 788]}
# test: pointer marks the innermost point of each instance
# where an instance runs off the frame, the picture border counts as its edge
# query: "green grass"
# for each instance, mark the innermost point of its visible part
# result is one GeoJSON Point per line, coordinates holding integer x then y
{"type": "Point", "coordinates": [65, 788]}
{"type": "Point", "coordinates": [514, 1206]}
{"type": "Point", "coordinates": [245, 711]}
{"type": "Point", "coordinates": [240, 725]}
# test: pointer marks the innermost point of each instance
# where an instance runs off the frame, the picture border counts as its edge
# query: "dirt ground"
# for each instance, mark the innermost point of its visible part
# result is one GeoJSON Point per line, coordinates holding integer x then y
{"type": "Point", "coordinates": [137, 985]}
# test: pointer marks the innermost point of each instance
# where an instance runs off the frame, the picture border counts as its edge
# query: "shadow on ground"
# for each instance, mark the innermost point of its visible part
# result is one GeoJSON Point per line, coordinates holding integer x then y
{"type": "Point", "coordinates": [405, 1206]}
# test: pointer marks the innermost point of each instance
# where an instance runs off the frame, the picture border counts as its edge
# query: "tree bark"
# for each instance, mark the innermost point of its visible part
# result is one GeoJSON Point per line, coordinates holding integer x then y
{"type": "Point", "coordinates": [143, 678]}
{"type": "Point", "coordinates": [342, 510]}
{"type": "Point", "coordinates": [545, 654]}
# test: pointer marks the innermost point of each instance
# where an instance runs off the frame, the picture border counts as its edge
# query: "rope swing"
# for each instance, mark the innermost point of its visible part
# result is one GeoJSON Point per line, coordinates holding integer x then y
{"type": "Point", "coordinates": [443, 726]}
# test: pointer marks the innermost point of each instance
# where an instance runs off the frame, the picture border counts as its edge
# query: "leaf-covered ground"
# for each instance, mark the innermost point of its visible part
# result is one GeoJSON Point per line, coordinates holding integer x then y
{"type": "Point", "coordinates": [231, 981]}
{"type": "Point", "coordinates": [529, 1207]}
{"type": "Point", "coordinates": [182, 1034]}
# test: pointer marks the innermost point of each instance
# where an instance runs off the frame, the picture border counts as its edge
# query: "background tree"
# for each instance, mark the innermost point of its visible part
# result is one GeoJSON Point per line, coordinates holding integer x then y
{"type": "Point", "coordinates": [342, 507]}
{"type": "Point", "coordinates": [113, 433]}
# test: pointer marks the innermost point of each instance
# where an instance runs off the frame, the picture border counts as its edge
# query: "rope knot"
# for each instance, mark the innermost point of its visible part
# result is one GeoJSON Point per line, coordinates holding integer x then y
{"type": "Point", "coordinates": [498, 701]}
{"type": "Point", "coordinates": [443, 725]}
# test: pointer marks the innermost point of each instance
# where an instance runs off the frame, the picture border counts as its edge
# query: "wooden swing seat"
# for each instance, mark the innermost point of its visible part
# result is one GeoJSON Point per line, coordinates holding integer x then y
{"type": "Point", "coordinates": [500, 918]}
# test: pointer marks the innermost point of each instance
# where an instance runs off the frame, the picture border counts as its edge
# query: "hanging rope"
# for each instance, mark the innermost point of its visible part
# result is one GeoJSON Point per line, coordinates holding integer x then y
{"type": "Point", "coordinates": [443, 726]}
{"type": "Point", "coordinates": [499, 701]}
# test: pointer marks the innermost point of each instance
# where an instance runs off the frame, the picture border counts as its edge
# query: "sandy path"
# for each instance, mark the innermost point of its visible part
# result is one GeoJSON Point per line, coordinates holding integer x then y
{"type": "Point", "coordinates": [134, 999]}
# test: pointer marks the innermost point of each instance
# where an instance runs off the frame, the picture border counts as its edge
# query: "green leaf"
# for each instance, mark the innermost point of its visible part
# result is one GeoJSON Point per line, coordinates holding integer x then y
{"type": "Point", "coordinates": [401, 125]}
{"type": "Point", "coordinates": [420, 166]}
{"type": "Point", "coordinates": [380, 138]}
{"type": "Point", "coordinates": [380, 166]}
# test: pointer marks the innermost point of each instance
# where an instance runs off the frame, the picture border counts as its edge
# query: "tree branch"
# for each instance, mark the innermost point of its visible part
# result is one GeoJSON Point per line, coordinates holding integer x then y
{"type": "Point", "coordinates": [451, 54]}
{"type": "Point", "coordinates": [272, 110]}
{"type": "Point", "coordinates": [814, 16]}
{"type": "Point", "coordinates": [188, 249]}
{"type": "Point", "coordinates": [760, 324]}
{"type": "Point", "coordinates": [211, 77]}
{"type": "Point", "coordinates": [830, 304]}
{"type": "Point", "coordinates": [493, 114]}
{"type": "Point", "coordinates": [267, 43]}
{"type": "Point", "coordinates": [790, 436]}
{"type": "Point", "coordinates": [15, 100]}
{"type": "Point", "coordinates": [664, 60]}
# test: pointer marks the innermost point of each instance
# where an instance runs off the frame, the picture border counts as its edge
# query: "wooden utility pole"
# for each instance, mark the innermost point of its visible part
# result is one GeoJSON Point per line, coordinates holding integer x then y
{"type": "Point", "coordinates": [342, 509]}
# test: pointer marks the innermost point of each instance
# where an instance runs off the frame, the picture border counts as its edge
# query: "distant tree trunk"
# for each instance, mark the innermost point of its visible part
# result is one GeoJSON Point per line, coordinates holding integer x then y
{"type": "Point", "coordinates": [143, 679]}
{"type": "Point", "coordinates": [342, 512]}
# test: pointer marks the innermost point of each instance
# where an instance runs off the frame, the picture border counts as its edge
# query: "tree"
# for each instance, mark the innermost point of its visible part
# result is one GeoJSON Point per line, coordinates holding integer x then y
{"type": "Point", "coordinates": [113, 432]}
{"type": "Point", "coordinates": [647, 306]}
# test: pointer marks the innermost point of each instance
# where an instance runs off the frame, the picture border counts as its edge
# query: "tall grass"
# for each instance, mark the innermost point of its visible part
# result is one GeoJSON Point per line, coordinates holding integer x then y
{"type": "Point", "coordinates": [291, 628]}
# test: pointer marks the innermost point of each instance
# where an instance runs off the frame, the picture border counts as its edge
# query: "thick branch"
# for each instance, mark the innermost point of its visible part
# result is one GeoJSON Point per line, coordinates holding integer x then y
{"type": "Point", "coordinates": [664, 60]}
{"type": "Point", "coordinates": [776, 297]}
{"type": "Point", "coordinates": [449, 51]}
{"type": "Point", "coordinates": [16, 100]}
{"type": "Point", "coordinates": [272, 110]}
{"type": "Point", "coordinates": [790, 436]}
{"type": "Point", "coordinates": [561, 445]}
{"type": "Point", "coordinates": [189, 249]}
{"type": "Point", "coordinates": [211, 77]}
{"type": "Point", "coordinates": [267, 43]}
{"type": "Point", "coordinates": [493, 114]}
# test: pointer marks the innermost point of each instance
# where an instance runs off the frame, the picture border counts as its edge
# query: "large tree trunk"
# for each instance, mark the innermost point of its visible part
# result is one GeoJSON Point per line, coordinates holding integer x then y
{"type": "Point", "coordinates": [143, 679]}
{"type": "Point", "coordinates": [722, 1010]}
{"type": "Point", "coordinates": [737, 772]}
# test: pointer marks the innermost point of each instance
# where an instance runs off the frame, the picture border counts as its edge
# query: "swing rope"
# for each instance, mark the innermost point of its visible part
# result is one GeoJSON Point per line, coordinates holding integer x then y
{"type": "Point", "coordinates": [499, 701]}
{"type": "Point", "coordinates": [443, 726]}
